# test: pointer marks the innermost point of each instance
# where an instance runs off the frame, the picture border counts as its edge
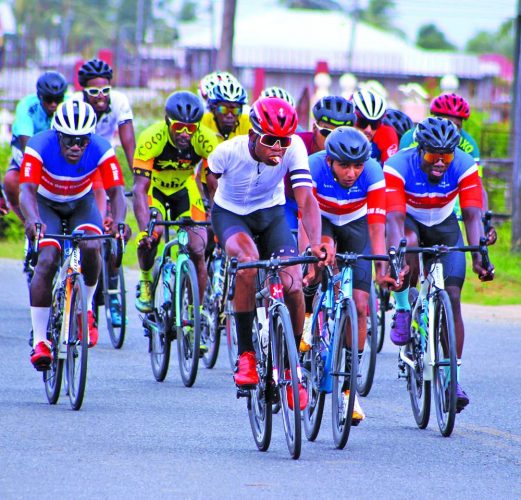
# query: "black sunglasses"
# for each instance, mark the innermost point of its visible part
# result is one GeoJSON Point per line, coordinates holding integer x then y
{"type": "Point", "coordinates": [49, 99]}
{"type": "Point", "coordinates": [362, 122]}
{"type": "Point", "coordinates": [69, 141]}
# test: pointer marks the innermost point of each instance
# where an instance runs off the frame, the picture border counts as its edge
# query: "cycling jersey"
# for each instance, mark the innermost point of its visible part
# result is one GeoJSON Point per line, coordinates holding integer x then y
{"type": "Point", "coordinates": [242, 128]}
{"type": "Point", "coordinates": [117, 113]}
{"type": "Point", "coordinates": [342, 205]}
{"type": "Point", "coordinates": [44, 165]}
{"type": "Point", "coordinates": [409, 190]}
{"type": "Point", "coordinates": [384, 143]}
{"type": "Point", "coordinates": [247, 185]}
{"type": "Point", "coordinates": [168, 168]}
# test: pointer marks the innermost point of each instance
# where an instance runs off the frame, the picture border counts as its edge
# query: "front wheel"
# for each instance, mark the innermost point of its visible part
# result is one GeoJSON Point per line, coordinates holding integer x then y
{"type": "Point", "coordinates": [117, 297]}
{"type": "Point", "coordinates": [189, 323]}
{"type": "Point", "coordinates": [231, 335]}
{"type": "Point", "coordinates": [345, 370]}
{"type": "Point", "coordinates": [210, 328]}
{"type": "Point", "coordinates": [445, 364]}
{"type": "Point", "coordinates": [368, 362]}
{"type": "Point", "coordinates": [53, 376]}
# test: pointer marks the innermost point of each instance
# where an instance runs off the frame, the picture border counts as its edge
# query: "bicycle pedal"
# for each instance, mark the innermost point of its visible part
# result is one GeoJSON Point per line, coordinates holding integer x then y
{"type": "Point", "coordinates": [42, 367]}
{"type": "Point", "coordinates": [244, 391]}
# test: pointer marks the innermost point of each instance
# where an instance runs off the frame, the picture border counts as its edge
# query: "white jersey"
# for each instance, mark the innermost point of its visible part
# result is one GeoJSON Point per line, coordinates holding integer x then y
{"type": "Point", "coordinates": [119, 112]}
{"type": "Point", "coordinates": [247, 185]}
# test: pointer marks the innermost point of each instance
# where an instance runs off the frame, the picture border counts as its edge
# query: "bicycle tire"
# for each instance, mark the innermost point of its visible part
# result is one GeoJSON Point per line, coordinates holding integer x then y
{"type": "Point", "coordinates": [78, 344]}
{"type": "Point", "coordinates": [189, 333]}
{"type": "Point", "coordinates": [260, 400]}
{"type": "Point", "coordinates": [53, 376]}
{"type": "Point", "coordinates": [160, 342]}
{"type": "Point", "coordinates": [210, 330]}
{"type": "Point", "coordinates": [367, 366]}
{"type": "Point", "coordinates": [418, 387]}
{"type": "Point", "coordinates": [286, 350]}
{"type": "Point", "coordinates": [383, 306]}
{"type": "Point", "coordinates": [445, 364]}
{"type": "Point", "coordinates": [231, 336]}
{"type": "Point", "coordinates": [344, 372]}
{"type": "Point", "coordinates": [312, 371]}
{"type": "Point", "coordinates": [116, 333]}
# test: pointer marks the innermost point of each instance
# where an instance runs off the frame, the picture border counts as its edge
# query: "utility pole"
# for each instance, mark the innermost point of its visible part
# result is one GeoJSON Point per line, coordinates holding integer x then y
{"type": "Point", "coordinates": [225, 53]}
{"type": "Point", "coordinates": [516, 127]}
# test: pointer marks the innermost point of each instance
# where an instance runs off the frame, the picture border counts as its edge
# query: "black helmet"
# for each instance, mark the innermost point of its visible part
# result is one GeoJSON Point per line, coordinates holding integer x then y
{"type": "Point", "coordinates": [95, 68]}
{"type": "Point", "coordinates": [334, 109]}
{"type": "Point", "coordinates": [437, 134]}
{"type": "Point", "coordinates": [348, 145]}
{"type": "Point", "coordinates": [184, 106]}
{"type": "Point", "coordinates": [398, 120]}
{"type": "Point", "coordinates": [51, 84]}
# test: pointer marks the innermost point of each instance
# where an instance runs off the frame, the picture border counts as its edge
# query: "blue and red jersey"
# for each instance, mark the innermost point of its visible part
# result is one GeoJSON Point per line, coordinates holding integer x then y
{"type": "Point", "coordinates": [384, 143]}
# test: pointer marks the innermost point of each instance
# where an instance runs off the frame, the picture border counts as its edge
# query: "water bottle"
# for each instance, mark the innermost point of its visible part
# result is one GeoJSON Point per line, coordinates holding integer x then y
{"type": "Point", "coordinates": [218, 278]}
{"type": "Point", "coordinates": [263, 326]}
{"type": "Point", "coordinates": [326, 383]}
{"type": "Point", "coordinates": [167, 277]}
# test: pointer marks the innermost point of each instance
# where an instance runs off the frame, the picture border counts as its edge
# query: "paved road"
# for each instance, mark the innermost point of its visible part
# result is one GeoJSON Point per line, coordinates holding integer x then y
{"type": "Point", "coordinates": [136, 438]}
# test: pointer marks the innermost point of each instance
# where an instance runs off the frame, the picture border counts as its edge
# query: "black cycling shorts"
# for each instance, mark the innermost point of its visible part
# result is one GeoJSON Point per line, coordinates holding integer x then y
{"type": "Point", "coordinates": [269, 225]}
{"type": "Point", "coordinates": [353, 237]}
{"type": "Point", "coordinates": [446, 233]}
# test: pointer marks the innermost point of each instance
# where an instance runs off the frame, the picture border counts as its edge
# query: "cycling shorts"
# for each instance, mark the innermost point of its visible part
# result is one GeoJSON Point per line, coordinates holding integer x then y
{"type": "Point", "coordinates": [16, 159]}
{"type": "Point", "coordinates": [269, 225]}
{"type": "Point", "coordinates": [446, 233]}
{"type": "Point", "coordinates": [353, 237]}
{"type": "Point", "coordinates": [291, 209]}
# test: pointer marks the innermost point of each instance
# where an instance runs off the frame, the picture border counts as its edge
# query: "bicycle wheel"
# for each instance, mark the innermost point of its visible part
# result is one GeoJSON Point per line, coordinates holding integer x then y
{"type": "Point", "coordinates": [312, 371]}
{"type": "Point", "coordinates": [418, 387]}
{"type": "Point", "coordinates": [344, 372]}
{"type": "Point", "coordinates": [116, 332]}
{"type": "Point", "coordinates": [260, 401]}
{"type": "Point", "coordinates": [286, 365]}
{"type": "Point", "coordinates": [445, 364]}
{"type": "Point", "coordinates": [159, 327]}
{"type": "Point", "coordinates": [231, 335]}
{"type": "Point", "coordinates": [384, 297]}
{"type": "Point", "coordinates": [189, 332]}
{"type": "Point", "coordinates": [210, 331]}
{"type": "Point", "coordinates": [367, 364]}
{"type": "Point", "coordinates": [53, 376]}
{"type": "Point", "coordinates": [78, 344]}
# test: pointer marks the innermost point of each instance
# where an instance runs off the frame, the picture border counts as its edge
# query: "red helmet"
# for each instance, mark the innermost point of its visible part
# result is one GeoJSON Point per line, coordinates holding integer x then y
{"type": "Point", "coordinates": [450, 105]}
{"type": "Point", "coordinates": [273, 116]}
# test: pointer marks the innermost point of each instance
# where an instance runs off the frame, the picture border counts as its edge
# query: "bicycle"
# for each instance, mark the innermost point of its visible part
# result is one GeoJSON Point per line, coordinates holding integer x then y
{"type": "Point", "coordinates": [331, 365]}
{"type": "Point", "coordinates": [67, 328]}
{"type": "Point", "coordinates": [367, 365]}
{"type": "Point", "coordinates": [111, 258]}
{"type": "Point", "coordinates": [276, 352]}
{"type": "Point", "coordinates": [429, 359]}
{"type": "Point", "coordinates": [176, 313]}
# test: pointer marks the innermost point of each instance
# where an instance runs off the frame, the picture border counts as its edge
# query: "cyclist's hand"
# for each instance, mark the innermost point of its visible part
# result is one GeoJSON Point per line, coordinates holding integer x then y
{"type": "Point", "coordinates": [325, 253]}
{"type": "Point", "coordinates": [30, 229]}
{"type": "Point", "coordinates": [127, 232]}
{"type": "Point", "coordinates": [312, 276]}
{"type": "Point", "coordinates": [483, 274]}
{"type": "Point", "coordinates": [108, 225]}
{"type": "Point", "coordinates": [145, 241]}
{"type": "Point", "coordinates": [491, 236]}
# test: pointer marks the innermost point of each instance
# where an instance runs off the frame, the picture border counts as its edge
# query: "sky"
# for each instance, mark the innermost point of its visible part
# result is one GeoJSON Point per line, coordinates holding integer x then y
{"type": "Point", "coordinates": [459, 20]}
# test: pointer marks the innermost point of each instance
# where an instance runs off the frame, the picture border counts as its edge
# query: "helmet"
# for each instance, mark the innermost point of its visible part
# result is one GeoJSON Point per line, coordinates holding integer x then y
{"type": "Point", "coordinates": [437, 134]}
{"type": "Point", "coordinates": [229, 91]}
{"type": "Point", "coordinates": [398, 120]}
{"type": "Point", "coordinates": [450, 105]}
{"type": "Point", "coordinates": [52, 84]}
{"type": "Point", "coordinates": [95, 68]}
{"type": "Point", "coordinates": [348, 145]}
{"type": "Point", "coordinates": [370, 104]}
{"type": "Point", "coordinates": [208, 81]}
{"type": "Point", "coordinates": [334, 109]}
{"type": "Point", "coordinates": [74, 118]}
{"type": "Point", "coordinates": [274, 116]}
{"type": "Point", "coordinates": [184, 106]}
{"type": "Point", "coordinates": [278, 92]}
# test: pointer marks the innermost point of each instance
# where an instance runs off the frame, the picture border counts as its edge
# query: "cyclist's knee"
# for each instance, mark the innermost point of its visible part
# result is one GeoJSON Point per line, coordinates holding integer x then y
{"type": "Point", "coordinates": [361, 301]}
{"type": "Point", "coordinates": [48, 260]}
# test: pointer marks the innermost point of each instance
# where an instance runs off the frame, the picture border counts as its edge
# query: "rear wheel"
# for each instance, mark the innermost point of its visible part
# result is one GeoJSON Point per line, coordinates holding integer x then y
{"type": "Point", "coordinates": [189, 321]}
{"type": "Point", "coordinates": [78, 344]}
{"type": "Point", "coordinates": [383, 299]}
{"type": "Point", "coordinates": [210, 329]}
{"type": "Point", "coordinates": [445, 364]}
{"type": "Point", "coordinates": [53, 376]}
{"type": "Point", "coordinates": [345, 370]}
{"type": "Point", "coordinates": [117, 294]}
{"type": "Point", "coordinates": [368, 362]}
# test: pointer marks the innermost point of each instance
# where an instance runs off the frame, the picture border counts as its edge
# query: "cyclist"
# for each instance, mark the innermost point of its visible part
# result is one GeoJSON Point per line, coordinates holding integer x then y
{"type": "Point", "coordinates": [398, 120]}
{"type": "Point", "coordinates": [249, 202]}
{"type": "Point", "coordinates": [166, 155]}
{"type": "Point", "coordinates": [370, 109]}
{"type": "Point", "coordinates": [422, 186]}
{"type": "Point", "coordinates": [113, 114]}
{"type": "Point", "coordinates": [278, 92]}
{"type": "Point", "coordinates": [33, 114]}
{"type": "Point", "coordinates": [56, 184]}
{"type": "Point", "coordinates": [208, 81]}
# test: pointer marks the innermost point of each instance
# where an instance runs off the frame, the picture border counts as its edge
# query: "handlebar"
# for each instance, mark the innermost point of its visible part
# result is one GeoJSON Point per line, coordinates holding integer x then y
{"type": "Point", "coordinates": [183, 222]}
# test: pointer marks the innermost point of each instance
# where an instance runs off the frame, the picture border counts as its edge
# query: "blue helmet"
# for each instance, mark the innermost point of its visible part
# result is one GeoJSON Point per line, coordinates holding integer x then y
{"type": "Point", "coordinates": [348, 145]}
{"type": "Point", "coordinates": [398, 120]}
{"type": "Point", "coordinates": [51, 84]}
{"type": "Point", "coordinates": [334, 109]}
{"type": "Point", "coordinates": [184, 106]}
{"type": "Point", "coordinates": [437, 134]}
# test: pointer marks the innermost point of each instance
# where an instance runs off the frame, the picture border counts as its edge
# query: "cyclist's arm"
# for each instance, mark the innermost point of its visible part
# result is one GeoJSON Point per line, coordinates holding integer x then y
{"type": "Point", "coordinates": [118, 205]}
{"type": "Point", "coordinates": [211, 182]}
{"type": "Point", "coordinates": [24, 139]}
{"type": "Point", "coordinates": [29, 207]}
{"type": "Point", "coordinates": [128, 141]}
{"type": "Point", "coordinates": [474, 229]}
{"type": "Point", "coordinates": [140, 200]}
{"type": "Point", "coordinates": [395, 227]}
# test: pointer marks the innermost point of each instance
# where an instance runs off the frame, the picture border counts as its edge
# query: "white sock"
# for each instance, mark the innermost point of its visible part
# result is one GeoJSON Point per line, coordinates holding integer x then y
{"type": "Point", "coordinates": [91, 290]}
{"type": "Point", "coordinates": [39, 318]}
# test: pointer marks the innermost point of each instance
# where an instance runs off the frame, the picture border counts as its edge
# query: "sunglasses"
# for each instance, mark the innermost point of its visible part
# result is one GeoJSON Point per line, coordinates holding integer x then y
{"type": "Point", "coordinates": [362, 122]}
{"type": "Point", "coordinates": [95, 91]}
{"type": "Point", "coordinates": [180, 127]}
{"type": "Point", "coordinates": [270, 141]}
{"type": "Point", "coordinates": [433, 158]}
{"type": "Point", "coordinates": [49, 99]}
{"type": "Point", "coordinates": [324, 132]}
{"type": "Point", "coordinates": [69, 141]}
{"type": "Point", "coordinates": [228, 109]}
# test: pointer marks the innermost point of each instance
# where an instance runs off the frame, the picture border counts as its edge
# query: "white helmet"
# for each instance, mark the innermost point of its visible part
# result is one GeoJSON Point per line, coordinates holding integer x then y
{"type": "Point", "coordinates": [74, 118]}
{"type": "Point", "coordinates": [208, 81]}
{"type": "Point", "coordinates": [278, 92]}
{"type": "Point", "coordinates": [370, 104]}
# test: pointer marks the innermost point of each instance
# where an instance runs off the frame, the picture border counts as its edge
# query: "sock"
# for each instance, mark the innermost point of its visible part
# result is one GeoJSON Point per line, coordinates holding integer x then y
{"type": "Point", "coordinates": [145, 275]}
{"type": "Point", "coordinates": [244, 324]}
{"type": "Point", "coordinates": [39, 319]}
{"type": "Point", "coordinates": [91, 291]}
{"type": "Point", "coordinates": [402, 300]}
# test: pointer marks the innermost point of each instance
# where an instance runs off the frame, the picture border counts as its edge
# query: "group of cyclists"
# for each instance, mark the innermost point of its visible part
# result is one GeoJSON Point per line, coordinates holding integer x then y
{"type": "Point", "coordinates": [360, 180]}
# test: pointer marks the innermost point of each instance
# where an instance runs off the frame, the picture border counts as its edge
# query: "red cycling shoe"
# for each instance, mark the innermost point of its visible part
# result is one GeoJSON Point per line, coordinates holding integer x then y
{"type": "Point", "coordinates": [246, 370]}
{"type": "Point", "coordinates": [302, 393]}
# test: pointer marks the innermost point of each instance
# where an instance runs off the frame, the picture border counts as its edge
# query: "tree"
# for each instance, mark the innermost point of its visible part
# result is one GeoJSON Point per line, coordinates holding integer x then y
{"type": "Point", "coordinates": [501, 42]}
{"type": "Point", "coordinates": [430, 37]}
